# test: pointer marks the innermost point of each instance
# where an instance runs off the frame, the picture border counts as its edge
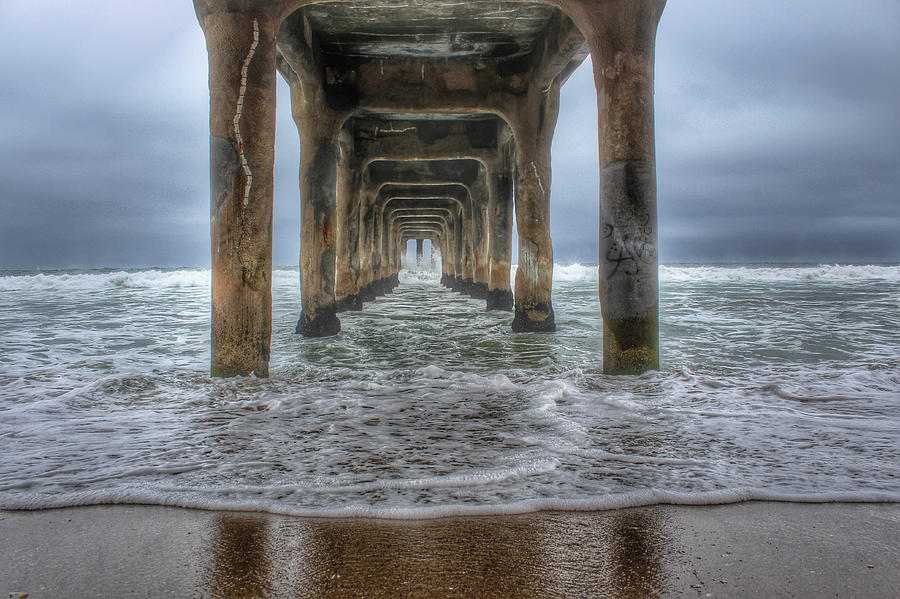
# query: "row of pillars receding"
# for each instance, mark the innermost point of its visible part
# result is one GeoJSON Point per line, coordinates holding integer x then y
{"type": "Point", "coordinates": [398, 146]}
{"type": "Point", "coordinates": [420, 250]}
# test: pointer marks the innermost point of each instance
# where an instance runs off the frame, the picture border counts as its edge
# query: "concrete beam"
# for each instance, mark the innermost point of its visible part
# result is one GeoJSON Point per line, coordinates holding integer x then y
{"type": "Point", "coordinates": [434, 139]}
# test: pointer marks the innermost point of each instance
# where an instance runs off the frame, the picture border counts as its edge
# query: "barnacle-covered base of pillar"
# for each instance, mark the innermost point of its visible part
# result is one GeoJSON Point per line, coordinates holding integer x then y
{"type": "Point", "coordinates": [479, 290]}
{"type": "Point", "coordinates": [499, 299]}
{"type": "Point", "coordinates": [351, 303]}
{"type": "Point", "coordinates": [324, 323]}
{"type": "Point", "coordinates": [536, 318]}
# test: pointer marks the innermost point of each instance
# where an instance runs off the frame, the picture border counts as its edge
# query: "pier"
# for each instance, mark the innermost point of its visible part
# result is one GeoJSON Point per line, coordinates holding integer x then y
{"type": "Point", "coordinates": [426, 120]}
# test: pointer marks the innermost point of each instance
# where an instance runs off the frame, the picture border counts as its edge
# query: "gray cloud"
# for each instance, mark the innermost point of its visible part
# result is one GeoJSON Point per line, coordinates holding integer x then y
{"type": "Point", "coordinates": [778, 131]}
{"type": "Point", "coordinates": [778, 136]}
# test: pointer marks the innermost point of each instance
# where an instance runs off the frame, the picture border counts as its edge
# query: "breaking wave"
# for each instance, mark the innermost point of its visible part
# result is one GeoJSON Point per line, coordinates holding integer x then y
{"type": "Point", "coordinates": [766, 273]}
{"type": "Point", "coordinates": [200, 278]}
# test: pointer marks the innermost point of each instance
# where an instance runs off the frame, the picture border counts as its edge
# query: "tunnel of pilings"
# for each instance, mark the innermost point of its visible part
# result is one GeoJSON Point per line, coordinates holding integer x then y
{"type": "Point", "coordinates": [426, 120]}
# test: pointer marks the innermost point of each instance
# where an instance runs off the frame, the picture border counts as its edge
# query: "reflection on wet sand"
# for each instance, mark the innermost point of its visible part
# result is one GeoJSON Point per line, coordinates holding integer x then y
{"type": "Point", "coordinates": [241, 564]}
{"type": "Point", "coordinates": [547, 555]}
{"type": "Point", "coordinates": [634, 553]}
{"type": "Point", "coordinates": [439, 558]}
{"type": "Point", "coordinates": [607, 554]}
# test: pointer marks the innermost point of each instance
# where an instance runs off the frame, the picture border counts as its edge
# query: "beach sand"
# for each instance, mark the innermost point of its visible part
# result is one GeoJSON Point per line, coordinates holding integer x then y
{"type": "Point", "coordinates": [756, 549]}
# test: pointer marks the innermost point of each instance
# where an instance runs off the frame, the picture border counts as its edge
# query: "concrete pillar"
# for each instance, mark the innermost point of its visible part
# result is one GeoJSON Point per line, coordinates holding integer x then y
{"type": "Point", "coordinates": [319, 126]}
{"type": "Point", "coordinates": [468, 255]}
{"type": "Point", "coordinates": [420, 253]}
{"type": "Point", "coordinates": [533, 126]}
{"type": "Point", "coordinates": [621, 36]}
{"type": "Point", "coordinates": [347, 232]}
{"type": "Point", "coordinates": [241, 50]}
{"type": "Point", "coordinates": [500, 211]}
{"type": "Point", "coordinates": [375, 234]}
{"type": "Point", "coordinates": [445, 259]}
{"type": "Point", "coordinates": [480, 194]}
{"type": "Point", "coordinates": [366, 249]}
{"type": "Point", "coordinates": [457, 283]}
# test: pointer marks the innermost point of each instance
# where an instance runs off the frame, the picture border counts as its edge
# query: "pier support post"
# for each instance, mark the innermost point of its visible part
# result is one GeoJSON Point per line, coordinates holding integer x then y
{"type": "Point", "coordinates": [459, 251]}
{"type": "Point", "coordinates": [468, 264]}
{"type": "Point", "coordinates": [420, 253]}
{"type": "Point", "coordinates": [319, 128]}
{"type": "Point", "coordinates": [347, 232]}
{"type": "Point", "coordinates": [621, 36]}
{"type": "Point", "coordinates": [480, 196]}
{"type": "Point", "coordinates": [499, 296]}
{"type": "Point", "coordinates": [533, 126]}
{"type": "Point", "coordinates": [241, 50]}
{"type": "Point", "coordinates": [319, 111]}
{"type": "Point", "coordinates": [366, 244]}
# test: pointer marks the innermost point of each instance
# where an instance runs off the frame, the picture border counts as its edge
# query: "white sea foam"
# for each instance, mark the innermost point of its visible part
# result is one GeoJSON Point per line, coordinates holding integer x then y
{"type": "Point", "coordinates": [574, 272]}
{"type": "Point", "coordinates": [200, 278]}
{"type": "Point", "coordinates": [764, 274]}
{"type": "Point", "coordinates": [420, 276]}
{"type": "Point", "coordinates": [753, 273]}
{"type": "Point", "coordinates": [425, 405]}
{"type": "Point", "coordinates": [466, 481]}
{"type": "Point", "coordinates": [632, 499]}
{"type": "Point", "coordinates": [94, 281]}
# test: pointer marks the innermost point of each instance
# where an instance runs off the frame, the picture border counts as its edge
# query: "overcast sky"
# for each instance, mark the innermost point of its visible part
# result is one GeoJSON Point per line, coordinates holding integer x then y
{"type": "Point", "coordinates": [778, 136]}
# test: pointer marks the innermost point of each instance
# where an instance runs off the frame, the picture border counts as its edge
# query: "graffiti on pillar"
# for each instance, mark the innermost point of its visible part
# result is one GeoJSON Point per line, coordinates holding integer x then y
{"type": "Point", "coordinates": [630, 248]}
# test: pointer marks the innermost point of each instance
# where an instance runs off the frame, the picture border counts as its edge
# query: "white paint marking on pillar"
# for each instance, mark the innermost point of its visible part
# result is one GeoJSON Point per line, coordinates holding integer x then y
{"type": "Point", "coordinates": [398, 131]}
{"type": "Point", "coordinates": [240, 107]}
{"type": "Point", "coordinates": [423, 71]}
{"type": "Point", "coordinates": [538, 177]}
{"type": "Point", "coordinates": [528, 264]}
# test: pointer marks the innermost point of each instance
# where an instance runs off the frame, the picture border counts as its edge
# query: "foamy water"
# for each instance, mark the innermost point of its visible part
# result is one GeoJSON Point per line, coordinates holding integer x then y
{"type": "Point", "coordinates": [777, 383]}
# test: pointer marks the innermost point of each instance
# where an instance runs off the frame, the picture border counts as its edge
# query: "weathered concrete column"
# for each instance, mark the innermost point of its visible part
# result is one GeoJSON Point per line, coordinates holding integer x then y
{"type": "Point", "coordinates": [319, 110]}
{"type": "Point", "coordinates": [458, 280]}
{"type": "Point", "coordinates": [363, 249]}
{"type": "Point", "coordinates": [533, 126]}
{"type": "Point", "coordinates": [448, 268]}
{"type": "Point", "coordinates": [481, 275]}
{"type": "Point", "coordinates": [445, 260]}
{"type": "Point", "coordinates": [500, 295]}
{"type": "Point", "coordinates": [370, 251]}
{"type": "Point", "coordinates": [420, 253]}
{"type": "Point", "coordinates": [241, 50]}
{"type": "Point", "coordinates": [468, 251]}
{"type": "Point", "coordinates": [621, 36]}
{"type": "Point", "coordinates": [347, 231]}
{"type": "Point", "coordinates": [319, 127]}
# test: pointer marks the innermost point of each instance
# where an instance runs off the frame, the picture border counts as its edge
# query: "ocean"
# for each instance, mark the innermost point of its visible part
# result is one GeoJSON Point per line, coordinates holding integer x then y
{"type": "Point", "coordinates": [777, 383]}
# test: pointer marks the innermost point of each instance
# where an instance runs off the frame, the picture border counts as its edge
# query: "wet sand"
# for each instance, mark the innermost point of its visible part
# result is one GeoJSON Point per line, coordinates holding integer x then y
{"type": "Point", "coordinates": [755, 549]}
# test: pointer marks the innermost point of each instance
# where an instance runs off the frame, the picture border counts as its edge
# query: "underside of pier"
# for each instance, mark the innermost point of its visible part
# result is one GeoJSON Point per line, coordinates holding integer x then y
{"type": "Point", "coordinates": [426, 120]}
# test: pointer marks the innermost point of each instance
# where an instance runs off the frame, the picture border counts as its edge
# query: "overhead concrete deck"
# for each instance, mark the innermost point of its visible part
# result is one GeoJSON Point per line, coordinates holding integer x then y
{"type": "Point", "coordinates": [426, 119]}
